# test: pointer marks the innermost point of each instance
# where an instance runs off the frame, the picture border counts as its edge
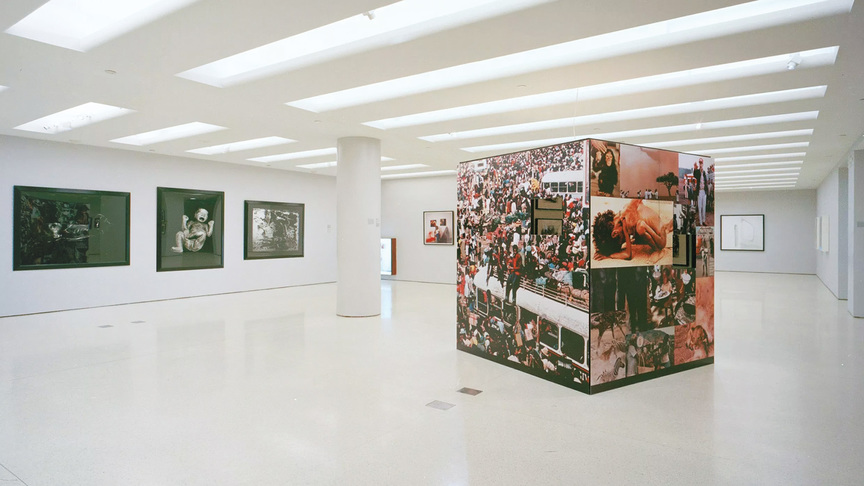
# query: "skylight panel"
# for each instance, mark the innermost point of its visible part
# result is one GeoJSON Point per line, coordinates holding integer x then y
{"type": "Point", "coordinates": [754, 15]}
{"type": "Point", "coordinates": [295, 155]}
{"type": "Point", "coordinates": [741, 122]}
{"type": "Point", "coordinates": [76, 117]}
{"type": "Point", "coordinates": [640, 113]}
{"type": "Point", "coordinates": [430, 173]}
{"type": "Point", "coordinates": [731, 138]}
{"type": "Point", "coordinates": [170, 133]}
{"type": "Point", "coordinates": [241, 145]}
{"type": "Point", "coordinates": [81, 25]}
{"type": "Point", "coordinates": [395, 23]}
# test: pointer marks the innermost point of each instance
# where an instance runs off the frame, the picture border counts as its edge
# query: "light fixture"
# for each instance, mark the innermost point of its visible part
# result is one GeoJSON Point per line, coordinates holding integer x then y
{"type": "Point", "coordinates": [760, 164]}
{"type": "Point", "coordinates": [731, 138]}
{"type": "Point", "coordinates": [724, 178]}
{"type": "Point", "coordinates": [677, 79]}
{"type": "Point", "coordinates": [750, 186]}
{"type": "Point", "coordinates": [319, 165]}
{"type": "Point", "coordinates": [644, 132]}
{"type": "Point", "coordinates": [794, 62]}
{"type": "Point", "coordinates": [241, 145]}
{"type": "Point", "coordinates": [81, 25]}
{"type": "Point", "coordinates": [403, 167]}
{"type": "Point", "coordinates": [640, 113]}
{"type": "Point", "coordinates": [760, 157]}
{"type": "Point", "coordinates": [76, 117]}
{"type": "Point", "coordinates": [3, 88]}
{"type": "Point", "coordinates": [430, 173]}
{"type": "Point", "coordinates": [724, 171]}
{"type": "Point", "coordinates": [747, 16]}
{"type": "Point", "coordinates": [754, 148]}
{"type": "Point", "coordinates": [169, 133]}
{"type": "Point", "coordinates": [295, 155]}
{"type": "Point", "coordinates": [392, 24]}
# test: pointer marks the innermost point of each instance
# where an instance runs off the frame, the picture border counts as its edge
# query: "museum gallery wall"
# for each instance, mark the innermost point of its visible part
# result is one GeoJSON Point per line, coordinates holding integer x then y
{"type": "Point", "coordinates": [117, 251]}
{"type": "Point", "coordinates": [622, 292]}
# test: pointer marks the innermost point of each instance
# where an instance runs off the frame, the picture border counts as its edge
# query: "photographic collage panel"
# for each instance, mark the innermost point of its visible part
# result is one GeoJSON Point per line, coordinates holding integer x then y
{"type": "Point", "coordinates": [705, 252]}
{"type": "Point", "coordinates": [648, 173]}
{"type": "Point", "coordinates": [631, 232]}
{"type": "Point", "coordinates": [696, 187]}
{"type": "Point", "coordinates": [523, 297]}
{"type": "Point", "coordinates": [605, 168]}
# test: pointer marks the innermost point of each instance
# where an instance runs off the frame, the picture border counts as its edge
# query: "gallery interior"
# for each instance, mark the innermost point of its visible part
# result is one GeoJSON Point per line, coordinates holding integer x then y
{"type": "Point", "coordinates": [378, 242]}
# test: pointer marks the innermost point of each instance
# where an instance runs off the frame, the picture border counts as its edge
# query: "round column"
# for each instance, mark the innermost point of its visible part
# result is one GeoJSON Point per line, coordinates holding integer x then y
{"type": "Point", "coordinates": [358, 223]}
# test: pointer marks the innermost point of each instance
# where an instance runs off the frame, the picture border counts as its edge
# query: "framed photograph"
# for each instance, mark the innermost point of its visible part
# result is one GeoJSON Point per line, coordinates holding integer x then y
{"type": "Point", "coordinates": [742, 232]}
{"type": "Point", "coordinates": [69, 228]}
{"type": "Point", "coordinates": [189, 229]}
{"type": "Point", "coordinates": [438, 227]}
{"type": "Point", "coordinates": [273, 230]}
{"type": "Point", "coordinates": [546, 227]}
{"type": "Point", "coordinates": [388, 256]}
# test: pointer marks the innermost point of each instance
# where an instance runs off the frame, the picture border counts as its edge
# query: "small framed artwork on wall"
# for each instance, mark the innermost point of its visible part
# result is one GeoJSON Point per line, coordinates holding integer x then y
{"type": "Point", "coordinates": [69, 228]}
{"type": "Point", "coordinates": [273, 230]}
{"type": "Point", "coordinates": [742, 232]}
{"type": "Point", "coordinates": [189, 226]}
{"type": "Point", "coordinates": [437, 227]}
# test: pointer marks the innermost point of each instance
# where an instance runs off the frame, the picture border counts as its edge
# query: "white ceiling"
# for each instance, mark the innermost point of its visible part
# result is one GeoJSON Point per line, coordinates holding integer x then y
{"type": "Point", "coordinates": [138, 71]}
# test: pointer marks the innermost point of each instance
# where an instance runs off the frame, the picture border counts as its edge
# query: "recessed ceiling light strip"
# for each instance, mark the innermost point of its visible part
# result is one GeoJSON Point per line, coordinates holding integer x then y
{"type": "Point", "coordinates": [241, 145]}
{"type": "Point", "coordinates": [81, 25]}
{"type": "Point", "coordinates": [169, 133]}
{"type": "Point", "coordinates": [651, 112]}
{"type": "Point", "coordinates": [678, 79]}
{"type": "Point", "coordinates": [392, 24]}
{"type": "Point", "coordinates": [754, 187]}
{"type": "Point", "coordinates": [75, 117]}
{"type": "Point", "coordinates": [732, 178]}
{"type": "Point", "coordinates": [295, 155]}
{"type": "Point", "coordinates": [741, 122]}
{"type": "Point", "coordinates": [725, 172]}
{"type": "Point", "coordinates": [754, 148]}
{"type": "Point", "coordinates": [759, 164]}
{"type": "Point", "coordinates": [731, 138]}
{"type": "Point", "coordinates": [748, 16]}
{"type": "Point", "coordinates": [760, 157]}
{"type": "Point", "coordinates": [430, 173]}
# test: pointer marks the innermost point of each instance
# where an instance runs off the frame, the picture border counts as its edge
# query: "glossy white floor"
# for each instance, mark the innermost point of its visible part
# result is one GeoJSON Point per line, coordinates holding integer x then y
{"type": "Point", "coordinates": [271, 388]}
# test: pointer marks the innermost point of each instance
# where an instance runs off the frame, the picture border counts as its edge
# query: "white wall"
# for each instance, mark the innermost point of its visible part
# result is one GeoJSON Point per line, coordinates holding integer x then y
{"type": "Point", "coordinates": [33, 163]}
{"type": "Point", "coordinates": [402, 204]}
{"type": "Point", "coordinates": [856, 234]}
{"type": "Point", "coordinates": [832, 203]}
{"type": "Point", "coordinates": [790, 231]}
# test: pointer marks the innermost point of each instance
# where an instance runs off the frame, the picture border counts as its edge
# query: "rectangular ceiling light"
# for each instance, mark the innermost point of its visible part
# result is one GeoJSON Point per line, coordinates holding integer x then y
{"type": "Point", "coordinates": [747, 187]}
{"type": "Point", "coordinates": [403, 167]}
{"type": "Point", "coordinates": [76, 117]}
{"type": "Point", "coordinates": [761, 183]}
{"type": "Point", "coordinates": [641, 113]}
{"type": "Point", "coordinates": [295, 155]}
{"type": "Point", "coordinates": [677, 79]}
{"type": "Point", "coordinates": [741, 158]}
{"type": "Point", "coordinates": [81, 25]}
{"type": "Point", "coordinates": [731, 138]}
{"type": "Point", "coordinates": [786, 180]}
{"type": "Point", "coordinates": [418, 174]}
{"type": "Point", "coordinates": [732, 178]}
{"type": "Point", "coordinates": [761, 164]}
{"type": "Point", "coordinates": [754, 15]}
{"type": "Point", "coordinates": [319, 165]}
{"type": "Point", "coordinates": [170, 133]}
{"type": "Point", "coordinates": [242, 145]}
{"type": "Point", "coordinates": [755, 148]}
{"type": "Point", "coordinates": [724, 172]}
{"type": "Point", "coordinates": [741, 122]}
{"type": "Point", "coordinates": [392, 24]}
{"type": "Point", "coordinates": [3, 88]}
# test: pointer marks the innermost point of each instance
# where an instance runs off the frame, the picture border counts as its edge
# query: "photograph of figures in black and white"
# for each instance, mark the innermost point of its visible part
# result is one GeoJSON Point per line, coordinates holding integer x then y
{"type": "Point", "coordinates": [276, 229]}
{"type": "Point", "coordinates": [190, 229]}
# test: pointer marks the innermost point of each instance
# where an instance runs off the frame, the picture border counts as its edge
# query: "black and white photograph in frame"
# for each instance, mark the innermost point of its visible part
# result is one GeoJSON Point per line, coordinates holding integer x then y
{"type": "Point", "coordinates": [273, 230]}
{"type": "Point", "coordinates": [742, 232]}
{"type": "Point", "coordinates": [189, 229]}
{"type": "Point", "coordinates": [438, 227]}
{"type": "Point", "coordinates": [69, 228]}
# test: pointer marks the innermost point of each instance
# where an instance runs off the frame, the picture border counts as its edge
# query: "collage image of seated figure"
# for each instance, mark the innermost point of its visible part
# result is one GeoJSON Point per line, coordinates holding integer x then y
{"type": "Point", "coordinates": [650, 309]}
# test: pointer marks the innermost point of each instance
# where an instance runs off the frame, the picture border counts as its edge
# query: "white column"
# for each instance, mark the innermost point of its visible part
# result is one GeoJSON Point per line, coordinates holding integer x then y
{"type": "Point", "coordinates": [358, 220]}
{"type": "Point", "coordinates": [856, 234]}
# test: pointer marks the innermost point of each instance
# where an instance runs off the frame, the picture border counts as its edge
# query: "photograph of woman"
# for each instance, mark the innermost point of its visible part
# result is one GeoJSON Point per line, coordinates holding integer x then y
{"type": "Point", "coordinates": [604, 168]}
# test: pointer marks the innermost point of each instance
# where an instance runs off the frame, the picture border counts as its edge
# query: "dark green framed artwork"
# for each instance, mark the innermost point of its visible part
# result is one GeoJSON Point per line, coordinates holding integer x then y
{"type": "Point", "coordinates": [189, 229]}
{"type": "Point", "coordinates": [69, 228]}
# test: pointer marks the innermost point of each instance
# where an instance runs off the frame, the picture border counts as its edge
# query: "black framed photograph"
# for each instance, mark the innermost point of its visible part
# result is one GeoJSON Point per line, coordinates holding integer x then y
{"type": "Point", "coordinates": [273, 230]}
{"type": "Point", "coordinates": [742, 232]}
{"type": "Point", "coordinates": [69, 228]}
{"type": "Point", "coordinates": [437, 227]}
{"type": "Point", "coordinates": [189, 229]}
